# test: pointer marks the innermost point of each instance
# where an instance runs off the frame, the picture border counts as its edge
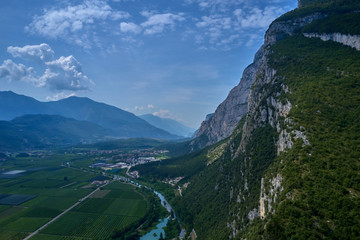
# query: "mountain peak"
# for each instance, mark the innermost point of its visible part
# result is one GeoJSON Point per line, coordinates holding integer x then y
{"type": "Point", "coordinates": [76, 98]}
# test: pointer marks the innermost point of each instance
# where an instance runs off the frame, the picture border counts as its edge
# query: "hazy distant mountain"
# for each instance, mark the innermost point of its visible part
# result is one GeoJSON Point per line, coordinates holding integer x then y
{"type": "Point", "coordinates": [168, 125]}
{"type": "Point", "coordinates": [123, 124]}
{"type": "Point", "coordinates": [37, 131]}
{"type": "Point", "coordinates": [13, 105]}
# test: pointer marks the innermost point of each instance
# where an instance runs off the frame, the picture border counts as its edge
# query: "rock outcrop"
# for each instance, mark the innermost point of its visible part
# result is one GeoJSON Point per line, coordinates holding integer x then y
{"type": "Point", "coordinates": [223, 122]}
{"type": "Point", "coordinates": [345, 39]}
{"type": "Point", "coordinates": [228, 114]}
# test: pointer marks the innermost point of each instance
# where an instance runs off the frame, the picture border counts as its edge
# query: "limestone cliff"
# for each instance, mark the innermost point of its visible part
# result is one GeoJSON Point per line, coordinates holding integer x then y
{"type": "Point", "coordinates": [228, 114]}
{"type": "Point", "coordinates": [346, 39]}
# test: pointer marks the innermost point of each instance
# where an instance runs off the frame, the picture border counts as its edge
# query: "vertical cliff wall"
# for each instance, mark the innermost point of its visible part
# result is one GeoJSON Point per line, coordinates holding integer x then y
{"type": "Point", "coordinates": [228, 114]}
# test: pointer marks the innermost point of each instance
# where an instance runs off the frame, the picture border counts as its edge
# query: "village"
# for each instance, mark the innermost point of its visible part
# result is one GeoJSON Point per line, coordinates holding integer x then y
{"type": "Point", "coordinates": [125, 160]}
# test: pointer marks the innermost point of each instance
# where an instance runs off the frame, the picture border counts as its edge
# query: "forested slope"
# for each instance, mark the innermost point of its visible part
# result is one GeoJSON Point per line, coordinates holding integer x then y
{"type": "Point", "coordinates": [291, 168]}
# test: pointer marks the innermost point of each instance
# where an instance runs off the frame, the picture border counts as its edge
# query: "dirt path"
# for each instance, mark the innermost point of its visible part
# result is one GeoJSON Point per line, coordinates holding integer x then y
{"type": "Point", "coordinates": [65, 211]}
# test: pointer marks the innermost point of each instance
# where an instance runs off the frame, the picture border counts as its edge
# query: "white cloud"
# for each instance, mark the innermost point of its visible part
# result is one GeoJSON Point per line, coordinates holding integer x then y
{"type": "Point", "coordinates": [137, 108]}
{"type": "Point", "coordinates": [130, 27]}
{"type": "Point", "coordinates": [215, 5]}
{"type": "Point", "coordinates": [141, 108]}
{"type": "Point", "coordinates": [61, 74]}
{"type": "Point", "coordinates": [65, 73]}
{"type": "Point", "coordinates": [224, 28]}
{"type": "Point", "coordinates": [59, 96]}
{"type": "Point", "coordinates": [257, 18]}
{"type": "Point", "coordinates": [166, 114]}
{"type": "Point", "coordinates": [226, 5]}
{"type": "Point", "coordinates": [162, 113]}
{"type": "Point", "coordinates": [42, 52]}
{"type": "Point", "coordinates": [147, 13]}
{"type": "Point", "coordinates": [215, 21]}
{"type": "Point", "coordinates": [214, 26]}
{"type": "Point", "coordinates": [18, 72]}
{"type": "Point", "coordinates": [156, 23]}
{"type": "Point", "coordinates": [74, 23]}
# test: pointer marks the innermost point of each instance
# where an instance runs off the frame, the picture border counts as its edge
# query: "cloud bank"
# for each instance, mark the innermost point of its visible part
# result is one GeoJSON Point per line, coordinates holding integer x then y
{"type": "Point", "coordinates": [59, 96]}
{"type": "Point", "coordinates": [213, 24]}
{"type": "Point", "coordinates": [167, 114]}
{"type": "Point", "coordinates": [156, 23]}
{"type": "Point", "coordinates": [60, 74]}
{"type": "Point", "coordinates": [17, 72]}
{"type": "Point", "coordinates": [41, 53]}
{"type": "Point", "coordinates": [65, 73]}
{"type": "Point", "coordinates": [74, 23]}
{"type": "Point", "coordinates": [225, 24]}
{"type": "Point", "coordinates": [130, 28]}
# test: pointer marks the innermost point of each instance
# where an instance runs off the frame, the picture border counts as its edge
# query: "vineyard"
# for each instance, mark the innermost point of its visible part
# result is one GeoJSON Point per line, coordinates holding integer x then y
{"type": "Point", "coordinates": [43, 189]}
{"type": "Point", "coordinates": [98, 217]}
{"type": "Point", "coordinates": [89, 225]}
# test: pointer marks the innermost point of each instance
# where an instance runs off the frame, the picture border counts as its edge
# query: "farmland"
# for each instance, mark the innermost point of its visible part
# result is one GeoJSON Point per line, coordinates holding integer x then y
{"type": "Point", "coordinates": [34, 190]}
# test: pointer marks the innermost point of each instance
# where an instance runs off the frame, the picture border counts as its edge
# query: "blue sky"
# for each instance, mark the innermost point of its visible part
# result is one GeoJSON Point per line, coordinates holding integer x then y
{"type": "Point", "coordinates": [173, 58]}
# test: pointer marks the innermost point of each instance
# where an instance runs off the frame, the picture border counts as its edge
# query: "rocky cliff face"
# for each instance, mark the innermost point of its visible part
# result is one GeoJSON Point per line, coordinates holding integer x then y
{"type": "Point", "coordinates": [267, 109]}
{"type": "Point", "coordinates": [269, 171]}
{"type": "Point", "coordinates": [228, 114]}
{"type": "Point", "coordinates": [345, 39]}
{"type": "Point", "coordinates": [256, 100]}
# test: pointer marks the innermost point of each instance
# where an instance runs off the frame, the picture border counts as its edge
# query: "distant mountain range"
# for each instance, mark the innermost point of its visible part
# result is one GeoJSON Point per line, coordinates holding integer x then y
{"type": "Point", "coordinates": [106, 120]}
{"type": "Point", "coordinates": [169, 125]}
{"type": "Point", "coordinates": [39, 131]}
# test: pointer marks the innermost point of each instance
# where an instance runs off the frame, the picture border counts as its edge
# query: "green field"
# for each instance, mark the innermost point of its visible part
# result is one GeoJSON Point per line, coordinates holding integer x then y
{"type": "Point", "coordinates": [97, 218]}
{"type": "Point", "coordinates": [45, 189]}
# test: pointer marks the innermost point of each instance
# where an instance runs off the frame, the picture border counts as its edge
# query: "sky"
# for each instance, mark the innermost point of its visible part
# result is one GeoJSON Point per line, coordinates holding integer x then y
{"type": "Point", "coordinates": [176, 59]}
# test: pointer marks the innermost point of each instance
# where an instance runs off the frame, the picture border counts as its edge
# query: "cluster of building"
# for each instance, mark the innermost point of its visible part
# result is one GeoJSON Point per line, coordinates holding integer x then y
{"type": "Point", "coordinates": [128, 160]}
{"type": "Point", "coordinates": [109, 166]}
{"type": "Point", "coordinates": [98, 182]}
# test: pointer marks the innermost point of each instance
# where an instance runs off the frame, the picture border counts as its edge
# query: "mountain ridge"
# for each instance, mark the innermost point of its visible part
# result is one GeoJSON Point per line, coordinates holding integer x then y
{"type": "Point", "coordinates": [169, 125]}
{"type": "Point", "coordinates": [123, 123]}
{"type": "Point", "coordinates": [44, 131]}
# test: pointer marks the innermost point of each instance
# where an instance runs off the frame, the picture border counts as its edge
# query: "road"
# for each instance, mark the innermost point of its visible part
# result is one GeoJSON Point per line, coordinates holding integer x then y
{"type": "Point", "coordinates": [65, 211]}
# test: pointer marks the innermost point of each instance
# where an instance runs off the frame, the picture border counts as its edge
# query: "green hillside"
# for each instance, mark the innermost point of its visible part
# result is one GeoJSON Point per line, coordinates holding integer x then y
{"type": "Point", "coordinates": [324, 177]}
{"type": "Point", "coordinates": [41, 131]}
{"type": "Point", "coordinates": [311, 190]}
{"type": "Point", "coordinates": [325, 186]}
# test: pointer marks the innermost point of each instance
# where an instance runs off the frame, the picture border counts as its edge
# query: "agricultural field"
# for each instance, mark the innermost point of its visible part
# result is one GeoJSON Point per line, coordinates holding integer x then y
{"type": "Point", "coordinates": [34, 190]}
{"type": "Point", "coordinates": [110, 209]}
